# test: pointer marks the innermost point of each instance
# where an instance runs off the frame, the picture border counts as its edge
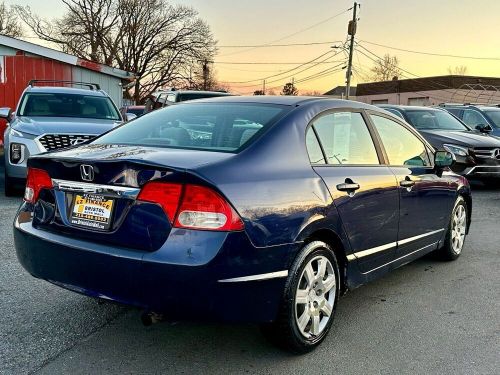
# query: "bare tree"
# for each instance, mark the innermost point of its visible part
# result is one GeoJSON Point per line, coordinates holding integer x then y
{"type": "Point", "coordinates": [289, 89]}
{"type": "Point", "coordinates": [9, 22]}
{"type": "Point", "coordinates": [159, 42]}
{"type": "Point", "coordinates": [458, 70]}
{"type": "Point", "coordinates": [386, 68]}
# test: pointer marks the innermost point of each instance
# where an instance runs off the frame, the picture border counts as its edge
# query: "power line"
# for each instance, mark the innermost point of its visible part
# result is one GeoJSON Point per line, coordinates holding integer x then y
{"type": "Point", "coordinates": [293, 69]}
{"type": "Point", "coordinates": [282, 45]}
{"type": "Point", "coordinates": [290, 35]}
{"type": "Point", "coordinates": [263, 63]}
{"type": "Point", "coordinates": [432, 53]}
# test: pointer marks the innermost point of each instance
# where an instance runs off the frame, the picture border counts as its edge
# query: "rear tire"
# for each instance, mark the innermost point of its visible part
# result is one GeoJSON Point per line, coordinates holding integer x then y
{"type": "Point", "coordinates": [309, 300]}
{"type": "Point", "coordinates": [455, 236]}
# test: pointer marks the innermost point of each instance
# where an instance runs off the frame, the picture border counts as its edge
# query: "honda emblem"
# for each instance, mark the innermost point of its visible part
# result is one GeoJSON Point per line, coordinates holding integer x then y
{"type": "Point", "coordinates": [87, 172]}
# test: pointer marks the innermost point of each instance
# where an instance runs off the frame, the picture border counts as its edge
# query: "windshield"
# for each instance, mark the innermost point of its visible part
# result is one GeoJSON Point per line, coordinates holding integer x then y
{"type": "Point", "coordinates": [494, 115]}
{"type": "Point", "coordinates": [202, 126]}
{"type": "Point", "coordinates": [434, 120]}
{"type": "Point", "coordinates": [68, 105]}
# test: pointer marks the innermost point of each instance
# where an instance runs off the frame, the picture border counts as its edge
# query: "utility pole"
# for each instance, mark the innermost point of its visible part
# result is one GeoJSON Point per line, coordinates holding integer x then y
{"type": "Point", "coordinates": [351, 30]}
{"type": "Point", "coordinates": [264, 87]}
{"type": "Point", "coordinates": [205, 74]}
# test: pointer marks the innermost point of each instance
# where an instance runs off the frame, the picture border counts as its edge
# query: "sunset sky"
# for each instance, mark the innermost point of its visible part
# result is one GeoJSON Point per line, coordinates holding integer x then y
{"type": "Point", "coordinates": [465, 28]}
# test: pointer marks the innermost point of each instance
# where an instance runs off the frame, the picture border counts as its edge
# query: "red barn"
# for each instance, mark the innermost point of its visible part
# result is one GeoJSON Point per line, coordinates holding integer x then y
{"type": "Point", "coordinates": [21, 61]}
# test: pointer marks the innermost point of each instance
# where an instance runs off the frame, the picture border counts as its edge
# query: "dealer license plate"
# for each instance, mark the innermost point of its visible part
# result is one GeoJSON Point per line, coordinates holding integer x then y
{"type": "Point", "coordinates": [92, 211]}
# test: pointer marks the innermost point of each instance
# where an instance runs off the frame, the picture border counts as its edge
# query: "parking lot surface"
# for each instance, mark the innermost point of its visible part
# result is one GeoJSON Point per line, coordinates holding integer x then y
{"type": "Point", "coordinates": [428, 317]}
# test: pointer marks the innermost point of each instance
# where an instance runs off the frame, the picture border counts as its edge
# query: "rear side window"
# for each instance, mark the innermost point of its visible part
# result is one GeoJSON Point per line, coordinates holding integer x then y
{"type": "Point", "coordinates": [401, 145]}
{"type": "Point", "coordinates": [202, 126]}
{"type": "Point", "coordinates": [313, 148]}
{"type": "Point", "coordinates": [345, 139]}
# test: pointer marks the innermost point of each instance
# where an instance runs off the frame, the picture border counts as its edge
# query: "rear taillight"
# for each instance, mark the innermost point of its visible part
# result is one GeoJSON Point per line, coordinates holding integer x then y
{"type": "Point", "coordinates": [37, 180]}
{"type": "Point", "coordinates": [167, 195]}
{"type": "Point", "coordinates": [192, 206]}
{"type": "Point", "coordinates": [203, 208]}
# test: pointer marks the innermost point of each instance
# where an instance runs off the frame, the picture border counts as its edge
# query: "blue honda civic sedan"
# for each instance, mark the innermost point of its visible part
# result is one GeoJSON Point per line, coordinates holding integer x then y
{"type": "Point", "coordinates": [261, 209]}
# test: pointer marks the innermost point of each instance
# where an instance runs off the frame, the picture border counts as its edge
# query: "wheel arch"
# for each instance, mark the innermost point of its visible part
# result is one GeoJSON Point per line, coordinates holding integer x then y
{"type": "Point", "coordinates": [334, 241]}
{"type": "Point", "coordinates": [465, 193]}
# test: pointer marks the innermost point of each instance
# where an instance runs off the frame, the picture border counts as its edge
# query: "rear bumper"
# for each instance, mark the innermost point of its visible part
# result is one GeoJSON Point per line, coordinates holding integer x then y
{"type": "Point", "coordinates": [182, 279]}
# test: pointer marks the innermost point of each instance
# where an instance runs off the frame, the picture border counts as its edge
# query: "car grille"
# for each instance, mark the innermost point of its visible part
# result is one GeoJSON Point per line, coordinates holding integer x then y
{"type": "Point", "coordinates": [487, 153]}
{"type": "Point", "coordinates": [56, 141]}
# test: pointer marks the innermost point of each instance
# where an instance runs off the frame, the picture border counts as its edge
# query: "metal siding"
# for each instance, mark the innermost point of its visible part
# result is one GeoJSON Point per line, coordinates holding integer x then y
{"type": "Point", "coordinates": [19, 70]}
{"type": "Point", "coordinates": [109, 84]}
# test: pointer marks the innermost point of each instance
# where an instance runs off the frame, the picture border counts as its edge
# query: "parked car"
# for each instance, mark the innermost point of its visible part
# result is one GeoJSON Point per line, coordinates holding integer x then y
{"type": "Point", "coordinates": [477, 154]}
{"type": "Point", "coordinates": [262, 209]}
{"type": "Point", "coordinates": [48, 118]}
{"type": "Point", "coordinates": [130, 112]}
{"type": "Point", "coordinates": [481, 117]}
{"type": "Point", "coordinates": [165, 98]}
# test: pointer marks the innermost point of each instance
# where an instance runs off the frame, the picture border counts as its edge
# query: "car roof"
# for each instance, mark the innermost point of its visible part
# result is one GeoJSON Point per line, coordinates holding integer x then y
{"type": "Point", "coordinates": [65, 90]}
{"type": "Point", "coordinates": [288, 100]}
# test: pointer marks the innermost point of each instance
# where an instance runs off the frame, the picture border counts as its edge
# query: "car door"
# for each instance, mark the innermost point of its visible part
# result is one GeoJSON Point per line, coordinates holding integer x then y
{"type": "Point", "coordinates": [364, 190]}
{"type": "Point", "coordinates": [425, 197]}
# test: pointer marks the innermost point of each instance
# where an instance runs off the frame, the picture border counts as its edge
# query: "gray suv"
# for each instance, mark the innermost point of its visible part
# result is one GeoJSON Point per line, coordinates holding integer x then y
{"type": "Point", "coordinates": [48, 118]}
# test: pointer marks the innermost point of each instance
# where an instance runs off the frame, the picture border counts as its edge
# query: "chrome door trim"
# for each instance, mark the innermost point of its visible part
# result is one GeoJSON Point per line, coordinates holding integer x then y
{"type": "Point", "coordinates": [262, 276]}
{"type": "Point", "coordinates": [411, 239]}
{"type": "Point", "coordinates": [374, 250]}
{"type": "Point", "coordinates": [89, 188]}
{"type": "Point", "coordinates": [404, 256]}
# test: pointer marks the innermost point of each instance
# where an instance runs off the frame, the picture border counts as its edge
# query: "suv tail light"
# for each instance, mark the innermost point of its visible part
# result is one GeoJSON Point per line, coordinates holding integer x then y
{"type": "Point", "coordinates": [192, 206]}
{"type": "Point", "coordinates": [37, 180]}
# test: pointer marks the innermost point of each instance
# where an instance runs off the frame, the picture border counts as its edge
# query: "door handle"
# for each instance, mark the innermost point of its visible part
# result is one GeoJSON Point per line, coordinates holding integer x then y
{"type": "Point", "coordinates": [348, 186]}
{"type": "Point", "coordinates": [407, 182]}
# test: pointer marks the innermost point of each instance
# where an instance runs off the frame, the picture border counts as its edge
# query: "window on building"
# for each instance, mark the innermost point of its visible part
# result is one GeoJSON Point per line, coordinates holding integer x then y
{"type": "Point", "coordinates": [380, 101]}
{"type": "Point", "coordinates": [419, 101]}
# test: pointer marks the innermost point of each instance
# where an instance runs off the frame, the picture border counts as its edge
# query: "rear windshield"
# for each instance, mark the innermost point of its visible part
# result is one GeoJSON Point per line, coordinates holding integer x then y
{"type": "Point", "coordinates": [434, 120]}
{"type": "Point", "coordinates": [68, 105]}
{"type": "Point", "coordinates": [494, 115]}
{"type": "Point", "coordinates": [202, 126]}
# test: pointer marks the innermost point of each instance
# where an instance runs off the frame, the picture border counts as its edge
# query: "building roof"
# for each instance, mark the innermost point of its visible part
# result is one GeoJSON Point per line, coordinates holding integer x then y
{"type": "Point", "coordinates": [425, 84]}
{"type": "Point", "coordinates": [340, 90]}
{"type": "Point", "coordinates": [53, 54]}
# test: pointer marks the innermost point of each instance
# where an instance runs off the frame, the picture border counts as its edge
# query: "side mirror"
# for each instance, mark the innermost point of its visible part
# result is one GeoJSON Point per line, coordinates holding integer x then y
{"type": "Point", "coordinates": [484, 128]}
{"type": "Point", "coordinates": [130, 116]}
{"type": "Point", "coordinates": [6, 113]}
{"type": "Point", "coordinates": [443, 159]}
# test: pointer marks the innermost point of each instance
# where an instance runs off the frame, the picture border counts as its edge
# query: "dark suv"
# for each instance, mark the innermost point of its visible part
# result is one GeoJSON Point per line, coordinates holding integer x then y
{"type": "Point", "coordinates": [477, 154]}
{"type": "Point", "coordinates": [477, 116]}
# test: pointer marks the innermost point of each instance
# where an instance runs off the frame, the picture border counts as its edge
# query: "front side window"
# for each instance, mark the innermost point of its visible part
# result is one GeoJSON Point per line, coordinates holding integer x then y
{"type": "Point", "coordinates": [473, 118]}
{"type": "Point", "coordinates": [494, 115]}
{"type": "Point", "coordinates": [68, 105]}
{"type": "Point", "coordinates": [434, 120]}
{"type": "Point", "coordinates": [401, 145]}
{"type": "Point", "coordinates": [201, 126]}
{"type": "Point", "coordinates": [345, 139]}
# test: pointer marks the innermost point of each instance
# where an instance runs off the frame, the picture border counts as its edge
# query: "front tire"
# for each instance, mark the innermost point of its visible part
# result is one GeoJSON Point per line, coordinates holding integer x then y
{"type": "Point", "coordinates": [457, 231]}
{"type": "Point", "coordinates": [309, 300]}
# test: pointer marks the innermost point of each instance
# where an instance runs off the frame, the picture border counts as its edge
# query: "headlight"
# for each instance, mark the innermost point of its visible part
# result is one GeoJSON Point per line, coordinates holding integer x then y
{"type": "Point", "coordinates": [17, 152]}
{"type": "Point", "coordinates": [456, 150]}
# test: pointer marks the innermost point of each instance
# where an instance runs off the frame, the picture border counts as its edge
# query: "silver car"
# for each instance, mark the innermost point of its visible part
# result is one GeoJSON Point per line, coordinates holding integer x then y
{"type": "Point", "coordinates": [51, 118]}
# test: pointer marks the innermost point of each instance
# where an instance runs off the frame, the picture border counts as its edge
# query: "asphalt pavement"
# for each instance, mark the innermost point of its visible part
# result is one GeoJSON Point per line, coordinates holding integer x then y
{"type": "Point", "coordinates": [428, 317]}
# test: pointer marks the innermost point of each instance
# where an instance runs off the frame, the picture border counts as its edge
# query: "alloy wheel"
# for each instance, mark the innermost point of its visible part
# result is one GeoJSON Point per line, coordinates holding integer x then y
{"type": "Point", "coordinates": [458, 229]}
{"type": "Point", "coordinates": [315, 296]}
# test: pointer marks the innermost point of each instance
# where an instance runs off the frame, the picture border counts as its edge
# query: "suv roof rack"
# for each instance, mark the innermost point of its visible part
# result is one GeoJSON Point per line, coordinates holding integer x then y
{"type": "Point", "coordinates": [91, 86]}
